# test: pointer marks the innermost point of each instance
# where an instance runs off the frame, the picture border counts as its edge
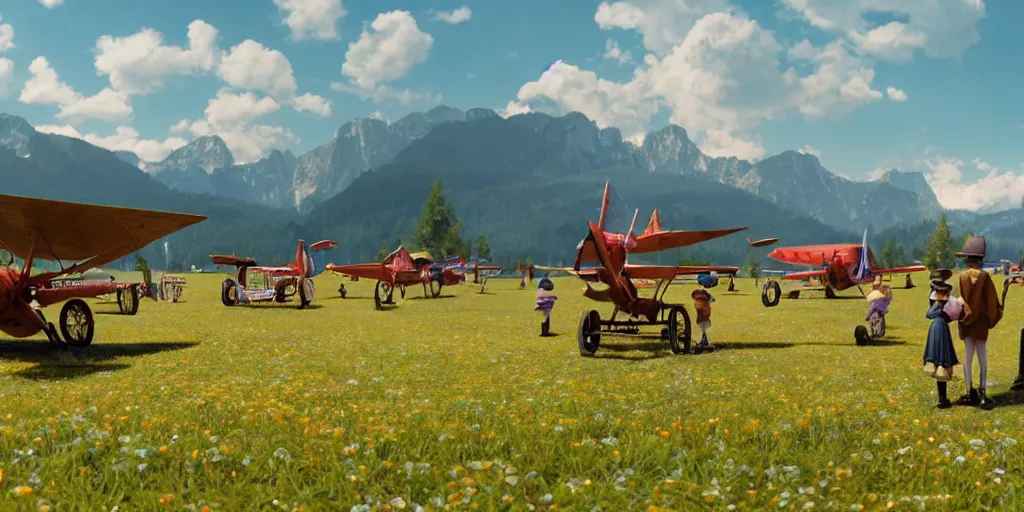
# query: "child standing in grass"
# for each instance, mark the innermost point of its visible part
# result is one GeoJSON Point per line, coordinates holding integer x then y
{"type": "Point", "coordinates": [702, 300]}
{"type": "Point", "coordinates": [939, 353]}
{"type": "Point", "coordinates": [545, 303]}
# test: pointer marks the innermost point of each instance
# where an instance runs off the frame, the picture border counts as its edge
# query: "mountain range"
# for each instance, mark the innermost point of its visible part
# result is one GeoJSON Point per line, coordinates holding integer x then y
{"type": "Point", "coordinates": [527, 183]}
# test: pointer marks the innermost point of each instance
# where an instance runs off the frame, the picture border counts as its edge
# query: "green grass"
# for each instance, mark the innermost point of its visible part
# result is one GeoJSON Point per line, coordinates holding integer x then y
{"type": "Point", "coordinates": [458, 401]}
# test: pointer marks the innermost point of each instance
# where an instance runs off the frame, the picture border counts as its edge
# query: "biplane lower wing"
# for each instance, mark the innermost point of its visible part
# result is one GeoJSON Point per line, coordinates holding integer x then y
{"type": "Point", "coordinates": [375, 271]}
{"type": "Point", "coordinates": [668, 272]}
{"type": "Point", "coordinates": [900, 270]}
{"type": "Point", "coordinates": [806, 274]}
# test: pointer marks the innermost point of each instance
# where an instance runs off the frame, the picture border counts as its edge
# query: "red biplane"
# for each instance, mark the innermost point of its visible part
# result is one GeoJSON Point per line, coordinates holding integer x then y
{"type": "Point", "coordinates": [839, 267]}
{"type": "Point", "coordinates": [41, 229]}
{"type": "Point", "coordinates": [255, 284]}
{"type": "Point", "coordinates": [398, 270]}
{"type": "Point", "coordinates": [609, 252]}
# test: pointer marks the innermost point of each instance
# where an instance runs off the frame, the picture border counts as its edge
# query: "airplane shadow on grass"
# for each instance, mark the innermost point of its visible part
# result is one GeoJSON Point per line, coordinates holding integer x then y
{"type": "Point", "coordinates": [1008, 398]}
{"type": "Point", "coordinates": [653, 347]}
{"type": "Point", "coordinates": [68, 363]}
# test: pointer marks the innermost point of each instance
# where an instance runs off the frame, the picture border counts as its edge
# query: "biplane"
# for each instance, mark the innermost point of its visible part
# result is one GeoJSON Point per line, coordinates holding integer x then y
{"type": "Point", "coordinates": [77, 237]}
{"type": "Point", "coordinates": [837, 267]}
{"type": "Point", "coordinates": [609, 251]}
{"type": "Point", "coordinates": [397, 270]}
{"type": "Point", "coordinates": [254, 284]}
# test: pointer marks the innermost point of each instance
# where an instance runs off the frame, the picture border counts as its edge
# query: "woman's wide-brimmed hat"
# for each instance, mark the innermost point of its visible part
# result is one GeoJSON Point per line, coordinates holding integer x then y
{"type": "Point", "coordinates": [973, 246]}
{"type": "Point", "coordinates": [941, 274]}
{"type": "Point", "coordinates": [940, 290]}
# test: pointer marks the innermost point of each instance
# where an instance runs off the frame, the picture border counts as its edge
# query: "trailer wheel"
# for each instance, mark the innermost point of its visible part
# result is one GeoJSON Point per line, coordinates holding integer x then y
{"type": "Point", "coordinates": [771, 293]}
{"type": "Point", "coordinates": [588, 335]}
{"type": "Point", "coordinates": [229, 293]}
{"type": "Point", "coordinates": [76, 323]}
{"type": "Point", "coordinates": [877, 324]}
{"type": "Point", "coordinates": [679, 330]}
{"type": "Point", "coordinates": [861, 335]}
{"type": "Point", "coordinates": [128, 300]}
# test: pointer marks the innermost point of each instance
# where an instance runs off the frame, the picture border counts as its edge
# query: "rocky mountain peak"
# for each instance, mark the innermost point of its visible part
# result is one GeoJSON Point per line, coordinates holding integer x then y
{"type": "Point", "coordinates": [208, 153]}
{"type": "Point", "coordinates": [444, 114]}
{"type": "Point", "coordinates": [15, 133]}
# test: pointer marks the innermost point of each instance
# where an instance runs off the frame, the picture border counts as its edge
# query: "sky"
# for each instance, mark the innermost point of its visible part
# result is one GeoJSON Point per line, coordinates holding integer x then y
{"type": "Point", "coordinates": [866, 85]}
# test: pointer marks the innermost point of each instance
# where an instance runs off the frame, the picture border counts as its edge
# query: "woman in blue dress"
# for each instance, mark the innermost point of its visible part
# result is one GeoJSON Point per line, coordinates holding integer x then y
{"type": "Point", "coordinates": [939, 352]}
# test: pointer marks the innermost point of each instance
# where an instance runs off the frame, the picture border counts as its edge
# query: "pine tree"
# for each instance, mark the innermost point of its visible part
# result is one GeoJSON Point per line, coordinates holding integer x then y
{"type": "Point", "coordinates": [141, 264]}
{"type": "Point", "coordinates": [889, 254]}
{"type": "Point", "coordinates": [752, 266]}
{"type": "Point", "coordinates": [483, 251]}
{"type": "Point", "coordinates": [940, 246]}
{"type": "Point", "coordinates": [438, 231]}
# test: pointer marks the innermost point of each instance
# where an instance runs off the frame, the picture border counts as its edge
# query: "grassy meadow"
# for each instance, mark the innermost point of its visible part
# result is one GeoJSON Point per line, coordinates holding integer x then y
{"type": "Point", "coordinates": [458, 404]}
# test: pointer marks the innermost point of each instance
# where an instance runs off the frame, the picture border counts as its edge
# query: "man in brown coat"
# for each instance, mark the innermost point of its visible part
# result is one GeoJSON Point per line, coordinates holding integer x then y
{"type": "Point", "coordinates": [981, 312]}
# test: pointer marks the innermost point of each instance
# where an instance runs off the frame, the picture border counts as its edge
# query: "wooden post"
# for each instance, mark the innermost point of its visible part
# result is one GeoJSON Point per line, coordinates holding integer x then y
{"type": "Point", "coordinates": [1018, 383]}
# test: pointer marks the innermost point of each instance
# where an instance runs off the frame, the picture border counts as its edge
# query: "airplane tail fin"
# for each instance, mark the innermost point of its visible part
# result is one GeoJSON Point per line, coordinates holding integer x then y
{"type": "Point", "coordinates": [604, 205]}
{"type": "Point", "coordinates": [864, 265]}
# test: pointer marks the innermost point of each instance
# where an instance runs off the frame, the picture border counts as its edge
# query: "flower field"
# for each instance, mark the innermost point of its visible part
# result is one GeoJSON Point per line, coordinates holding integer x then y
{"type": "Point", "coordinates": [458, 404]}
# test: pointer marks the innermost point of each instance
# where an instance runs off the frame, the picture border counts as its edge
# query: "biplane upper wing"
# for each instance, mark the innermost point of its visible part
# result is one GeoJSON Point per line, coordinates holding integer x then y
{"type": "Point", "coordinates": [376, 271]}
{"type": "Point", "coordinates": [224, 259]}
{"type": "Point", "coordinates": [91, 235]}
{"type": "Point", "coordinates": [663, 240]}
{"type": "Point", "coordinates": [670, 272]}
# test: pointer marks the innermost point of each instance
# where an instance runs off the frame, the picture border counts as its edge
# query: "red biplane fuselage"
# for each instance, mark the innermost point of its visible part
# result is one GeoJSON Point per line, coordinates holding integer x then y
{"type": "Point", "coordinates": [838, 264]}
{"type": "Point", "coordinates": [607, 253]}
{"type": "Point", "coordinates": [396, 270]}
{"type": "Point", "coordinates": [279, 282]}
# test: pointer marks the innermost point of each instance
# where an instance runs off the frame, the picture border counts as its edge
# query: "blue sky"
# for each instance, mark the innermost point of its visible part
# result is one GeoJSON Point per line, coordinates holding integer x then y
{"type": "Point", "coordinates": [718, 68]}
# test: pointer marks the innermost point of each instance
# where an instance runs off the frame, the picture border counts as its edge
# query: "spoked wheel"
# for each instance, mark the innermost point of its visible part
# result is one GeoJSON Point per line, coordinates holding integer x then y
{"type": "Point", "coordinates": [306, 293]}
{"type": "Point", "coordinates": [771, 293]}
{"type": "Point", "coordinates": [877, 324]}
{"type": "Point", "coordinates": [588, 335]}
{"type": "Point", "coordinates": [76, 323]}
{"type": "Point", "coordinates": [436, 284]}
{"type": "Point", "coordinates": [128, 300]}
{"type": "Point", "coordinates": [679, 330]}
{"type": "Point", "coordinates": [229, 293]}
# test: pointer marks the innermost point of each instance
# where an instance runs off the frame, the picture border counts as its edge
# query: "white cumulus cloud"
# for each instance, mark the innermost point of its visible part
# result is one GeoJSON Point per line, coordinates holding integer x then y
{"type": "Point", "coordinates": [940, 29]}
{"type": "Point", "coordinates": [663, 23]}
{"type": "Point", "coordinates": [139, 63]}
{"type": "Point", "coordinates": [124, 138]}
{"type": "Point", "coordinates": [614, 53]}
{"type": "Point", "coordinates": [229, 108]}
{"type": "Point", "coordinates": [391, 47]}
{"type": "Point", "coordinates": [984, 188]}
{"type": "Point", "coordinates": [6, 36]}
{"type": "Point", "coordinates": [312, 104]}
{"type": "Point", "coordinates": [896, 94]}
{"type": "Point", "coordinates": [312, 19]}
{"type": "Point", "coordinates": [6, 76]}
{"type": "Point", "coordinates": [46, 88]}
{"type": "Point", "coordinates": [460, 15]}
{"type": "Point", "coordinates": [250, 65]}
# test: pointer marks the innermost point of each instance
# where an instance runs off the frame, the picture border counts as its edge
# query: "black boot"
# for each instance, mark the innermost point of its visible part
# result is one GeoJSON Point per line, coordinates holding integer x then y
{"type": "Point", "coordinates": [545, 328]}
{"type": "Point", "coordinates": [944, 402]}
{"type": "Point", "coordinates": [971, 398]}
{"type": "Point", "coordinates": [985, 403]}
